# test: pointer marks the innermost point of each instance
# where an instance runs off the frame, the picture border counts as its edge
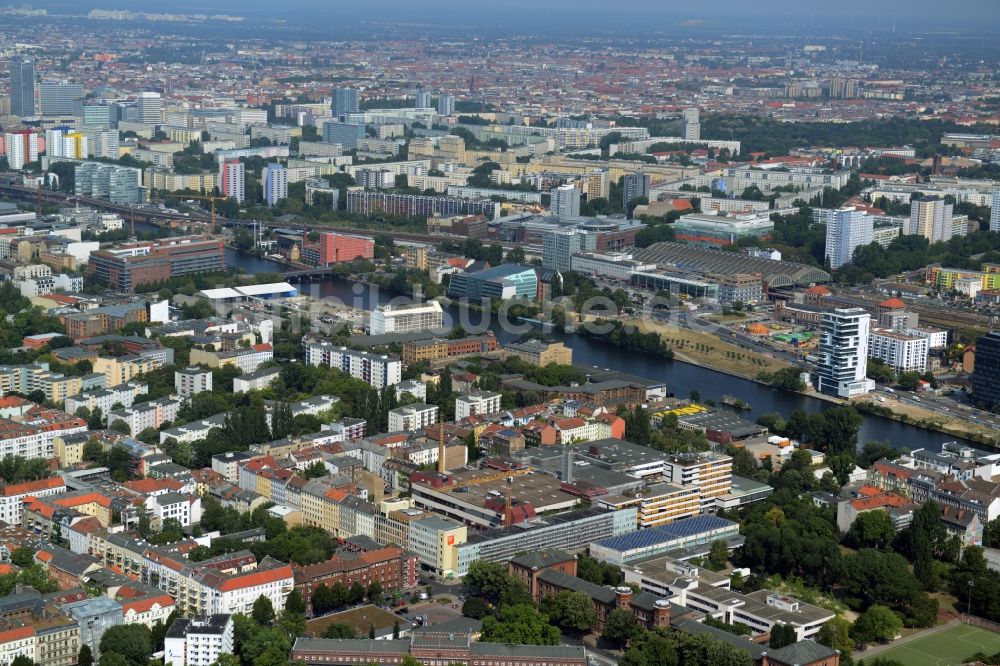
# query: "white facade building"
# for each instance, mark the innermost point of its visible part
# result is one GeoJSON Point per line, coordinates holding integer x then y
{"type": "Point", "coordinates": [232, 179]}
{"type": "Point", "coordinates": [901, 352]}
{"type": "Point", "coordinates": [406, 318]}
{"type": "Point", "coordinates": [275, 184]}
{"type": "Point", "coordinates": [255, 381]}
{"type": "Point", "coordinates": [412, 417]}
{"type": "Point", "coordinates": [414, 387]}
{"type": "Point", "coordinates": [12, 496]}
{"type": "Point", "coordinates": [843, 350]}
{"type": "Point", "coordinates": [931, 218]}
{"type": "Point", "coordinates": [846, 230]}
{"type": "Point", "coordinates": [192, 380]}
{"type": "Point", "coordinates": [692, 124]}
{"type": "Point", "coordinates": [565, 201]}
{"type": "Point", "coordinates": [617, 265]}
{"type": "Point", "coordinates": [145, 415]}
{"type": "Point", "coordinates": [379, 370]}
{"type": "Point", "coordinates": [21, 149]}
{"type": "Point", "coordinates": [477, 403]}
{"type": "Point", "coordinates": [106, 399]}
{"type": "Point", "coordinates": [995, 210]}
{"type": "Point", "coordinates": [185, 509]}
{"type": "Point", "coordinates": [198, 642]}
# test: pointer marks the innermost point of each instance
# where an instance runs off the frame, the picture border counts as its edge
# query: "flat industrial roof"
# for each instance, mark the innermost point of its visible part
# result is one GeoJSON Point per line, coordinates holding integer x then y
{"type": "Point", "coordinates": [703, 260]}
{"type": "Point", "coordinates": [542, 491]}
{"type": "Point", "coordinates": [247, 290]}
{"type": "Point", "coordinates": [652, 536]}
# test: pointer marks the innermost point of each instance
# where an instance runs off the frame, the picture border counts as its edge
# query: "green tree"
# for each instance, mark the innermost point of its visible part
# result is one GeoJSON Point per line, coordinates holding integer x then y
{"type": "Point", "coordinates": [597, 572]}
{"type": "Point", "coordinates": [96, 420]}
{"type": "Point", "coordinates": [21, 660]}
{"type": "Point", "coordinates": [836, 634]}
{"type": "Point", "coordinates": [923, 540]}
{"type": "Point", "coordinates": [782, 635]}
{"type": "Point", "coordinates": [23, 557]}
{"type": "Point", "coordinates": [875, 450]}
{"type": "Point", "coordinates": [650, 648]}
{"type": "Point", "coordinates": [92, 451]}
{"type": "Point", "coordinates": [294, 603]}
{"type": "Point", "coordinates": [871, 576]}
{"type": "Point", "coordinates": [375, 592]}
{"type": "Point", "coordinates": [571, 610]}
{"type": "Point", "coordinates": [85, 657]}
{"type": "Point", "coordinates": [226, 659]}
{"type": "Point", "coordinates": [356, 593]}
{"type": "Point", "coordinates": [158, 633]}
{"type": "Point", "coordinates": [620, 626]}
{"type": "Point", "coordinates": [519, 624]}
{"type": "Point", "coordinates": [909, 381]}
{"type": "Point", "coordinates": [131, 641]}
{"type": "Point", "coordinates": [263, 611]}
{"type": "Point", "coordinates": [475, 607]}
{"type": "Point", "coordinates": [488, 578]}
{"type": "Point", "coordinates": [872, 529]}
{"type": "Point", "coordinates": [880, 372]}
{"type": "Point", "coordinates": [322, 600]}
{"type": "Point", "coordinates": [718, 555]}
{"type": "Point", "coordinates": [878, 623]}
{"type": "Point", "coordinates": [314, 470]}
{"type": "Point", "coordinates": [339, 595]}
{"type": "Point", "coordinates": [113, 659]}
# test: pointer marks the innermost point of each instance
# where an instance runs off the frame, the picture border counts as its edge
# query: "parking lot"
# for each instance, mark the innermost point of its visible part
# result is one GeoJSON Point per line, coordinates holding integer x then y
{"type": "Point", "coordinates": [435, 613]}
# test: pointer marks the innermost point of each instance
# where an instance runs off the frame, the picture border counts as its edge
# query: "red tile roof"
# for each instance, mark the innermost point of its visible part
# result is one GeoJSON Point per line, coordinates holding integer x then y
{"type": "Point", "coordinates": [16, 634]}
{"type": "Point", "coordinates": [256, 578]}
{"type": "Point", "coordinates": [144, 605]}
{"type": "Point", "coordinates": [147, 486]}
{"type": "Point", "coordinates": [29, 487]}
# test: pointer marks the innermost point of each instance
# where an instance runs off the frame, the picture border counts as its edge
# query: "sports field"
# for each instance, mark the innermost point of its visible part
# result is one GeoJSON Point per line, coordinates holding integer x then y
{"type": "Point", "coordinates": [948, 647]}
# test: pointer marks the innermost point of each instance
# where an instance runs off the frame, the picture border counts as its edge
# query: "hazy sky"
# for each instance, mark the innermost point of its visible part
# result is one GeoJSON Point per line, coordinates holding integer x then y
{"type": "Point", "coordinates": [537, 15]}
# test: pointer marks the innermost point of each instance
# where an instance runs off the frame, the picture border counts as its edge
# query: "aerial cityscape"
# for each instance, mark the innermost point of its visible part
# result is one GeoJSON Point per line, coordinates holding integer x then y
{"type": "Point", "coordinates": [523, 334]}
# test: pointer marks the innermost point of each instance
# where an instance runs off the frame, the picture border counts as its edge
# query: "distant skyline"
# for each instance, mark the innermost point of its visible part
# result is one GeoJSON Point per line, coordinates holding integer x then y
{"type": "Point", "coordinates": [593, 16]}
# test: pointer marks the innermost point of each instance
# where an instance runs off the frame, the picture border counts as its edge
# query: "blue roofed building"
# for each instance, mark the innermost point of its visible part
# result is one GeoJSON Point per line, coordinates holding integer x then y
{"type": "Point", "coordinates": [505, 282]}
{"type": "Point", "coordinates": [689, 534]}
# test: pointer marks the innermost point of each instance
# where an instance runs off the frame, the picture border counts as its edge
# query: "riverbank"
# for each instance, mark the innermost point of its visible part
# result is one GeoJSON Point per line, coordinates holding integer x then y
{"type": "Point", "coordinates": [712, 352]}
{"type": "Point", "coordinates": [921, 417]}
{"type": "Point", "coordinates": [681, 375]}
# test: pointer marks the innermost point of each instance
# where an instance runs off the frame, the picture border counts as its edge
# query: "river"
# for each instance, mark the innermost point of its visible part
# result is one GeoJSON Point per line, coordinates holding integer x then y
{"type": "Point", "coordinates": [680, 377]}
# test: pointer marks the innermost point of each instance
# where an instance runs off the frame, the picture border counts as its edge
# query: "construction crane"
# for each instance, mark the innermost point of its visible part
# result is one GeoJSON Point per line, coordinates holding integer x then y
{"type": "Point", "coordinates": [213, 199]}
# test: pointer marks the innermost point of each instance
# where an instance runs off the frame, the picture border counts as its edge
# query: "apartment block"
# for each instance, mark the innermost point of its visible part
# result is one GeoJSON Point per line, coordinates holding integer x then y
{"type": "Point", "coordinates": [379, 370]}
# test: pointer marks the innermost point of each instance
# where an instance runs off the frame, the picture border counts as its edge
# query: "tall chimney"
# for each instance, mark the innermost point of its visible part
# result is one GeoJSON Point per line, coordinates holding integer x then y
{"type": "Point", "coordinates": [442, 468]}
{"type": "Point", "coordinates": [568, 461]}
{"type": "Point", "coordinates": [508, 513]}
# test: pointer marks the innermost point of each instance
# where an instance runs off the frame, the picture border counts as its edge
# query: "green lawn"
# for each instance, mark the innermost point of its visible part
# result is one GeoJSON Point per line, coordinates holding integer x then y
{"type": "Point", "coordinates": [945, 648]}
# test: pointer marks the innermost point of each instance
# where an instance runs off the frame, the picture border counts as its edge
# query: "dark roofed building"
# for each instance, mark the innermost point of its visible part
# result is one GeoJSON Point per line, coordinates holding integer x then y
{"type": "Point", "coordinates": [445, 649]}
{"type": "Point", "coordinates": [803, 653]}
{"type": "Point", "coordinates": [649, 610]}
{"type": "Point", "coordinates": [527, 567]}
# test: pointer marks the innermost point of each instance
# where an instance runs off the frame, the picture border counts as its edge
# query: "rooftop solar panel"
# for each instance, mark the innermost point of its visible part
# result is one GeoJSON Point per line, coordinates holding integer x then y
{"type": "Point", "coordinates": [680, 529]}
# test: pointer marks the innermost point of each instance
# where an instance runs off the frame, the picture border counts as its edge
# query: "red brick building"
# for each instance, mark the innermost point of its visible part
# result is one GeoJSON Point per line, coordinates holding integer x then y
{"type": "Point", "coordinates": [334, 248]}
{"type": "Point", "coordinates": [528, 567]}
{"type": "Point", "coordinates": [393, 568]}
{"type": "Point", "coordinates": [550, 572]}
{"type": "Point", "coordinates": [439, 649]}
{"type": "Point", "coordinates": [156, 261]}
